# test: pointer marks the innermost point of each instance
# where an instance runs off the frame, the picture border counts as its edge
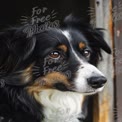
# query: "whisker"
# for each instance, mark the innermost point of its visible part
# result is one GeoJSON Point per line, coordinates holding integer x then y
{"type": "Point", "coordinates": [36, 66]}
{"type": "Point", "coordinates": [19, 71]}
{"type": "Point", "coordinates": [36, 73]}
{"type": "Point", "coordinates": [35, 69]}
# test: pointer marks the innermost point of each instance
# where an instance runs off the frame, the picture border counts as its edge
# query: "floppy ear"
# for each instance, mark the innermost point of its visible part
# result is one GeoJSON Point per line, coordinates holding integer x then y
{"type": "Point", "coordinates": [22, 45]}
{"type": "Point", "coordinates": [98, 40]}
{"type": "Point", "coordinates": [94, 36]}
{"type": "Point", "coordinates": [15, 50]}
{"type": "Point", "coordinates": [15, 47]}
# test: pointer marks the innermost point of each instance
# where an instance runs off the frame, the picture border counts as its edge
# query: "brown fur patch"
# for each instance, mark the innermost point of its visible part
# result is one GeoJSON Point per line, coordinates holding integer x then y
{"type": "Point", "coordinates": [81, 45]}
{"type": "Point", "coordinates": [47, 82]}
{"type": "Point", "coordinates": [63, 47]}
{"type": "Point", "coordinates": [27, 74]}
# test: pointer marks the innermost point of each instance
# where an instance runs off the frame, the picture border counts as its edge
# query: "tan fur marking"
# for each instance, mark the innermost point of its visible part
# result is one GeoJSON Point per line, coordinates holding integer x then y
{"type": "Point", "coordinates": [63, 47]}
{"type": "Point", "coordinates": [81, 45]}
{"type": "Point", "coordinates": [27, 74]}
{"type": "Point", "coordinates": [47, 82]}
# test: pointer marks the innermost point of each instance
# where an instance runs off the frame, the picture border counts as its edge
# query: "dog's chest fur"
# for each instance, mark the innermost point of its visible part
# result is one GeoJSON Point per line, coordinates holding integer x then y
{"type": "Point", "coordinates": [61, 106]}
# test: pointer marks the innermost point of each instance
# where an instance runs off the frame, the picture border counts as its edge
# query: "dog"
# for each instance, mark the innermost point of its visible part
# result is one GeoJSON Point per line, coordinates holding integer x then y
{"type": "Point", "coordinates": [48, 75]}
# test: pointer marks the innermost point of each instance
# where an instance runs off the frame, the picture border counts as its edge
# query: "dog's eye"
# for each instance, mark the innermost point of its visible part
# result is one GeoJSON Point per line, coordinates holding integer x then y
{"type": "Point", "coordinates": [87, 53]}
{"type": "Point", "coordinates": [55, 54]}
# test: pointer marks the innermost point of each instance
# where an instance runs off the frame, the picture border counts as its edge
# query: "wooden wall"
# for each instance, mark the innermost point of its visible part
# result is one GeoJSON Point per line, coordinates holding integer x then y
{"type": "Point", "coordinates": [104, 101]}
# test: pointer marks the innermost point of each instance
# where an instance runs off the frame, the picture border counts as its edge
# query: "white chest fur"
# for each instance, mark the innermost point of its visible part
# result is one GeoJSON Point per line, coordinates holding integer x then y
{"type": "Point", "coordinates": [61, 106]}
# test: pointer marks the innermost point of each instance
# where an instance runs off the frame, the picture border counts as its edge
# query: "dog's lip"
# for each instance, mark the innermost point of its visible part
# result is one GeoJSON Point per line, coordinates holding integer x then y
{"type": "Point", "coordinates": [92, 91]}
{"type": "Point", "coordinates": [75, 90]}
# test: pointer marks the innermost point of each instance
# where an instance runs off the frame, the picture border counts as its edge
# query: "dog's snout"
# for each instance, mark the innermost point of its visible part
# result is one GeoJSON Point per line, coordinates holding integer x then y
{"type": "Point", "coordinates": [97, 82]}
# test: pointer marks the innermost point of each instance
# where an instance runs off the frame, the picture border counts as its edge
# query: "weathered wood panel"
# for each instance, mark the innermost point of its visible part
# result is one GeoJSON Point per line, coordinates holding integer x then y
{"type": "Point", "coordinates": [103, 102]}
{"type": "Point", "coordinates": [117, 14]}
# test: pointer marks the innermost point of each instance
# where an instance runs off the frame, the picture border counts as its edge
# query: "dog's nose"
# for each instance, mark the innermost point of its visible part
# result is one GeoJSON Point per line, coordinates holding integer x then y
{"type": "Point", "coordinates": [97, 82]}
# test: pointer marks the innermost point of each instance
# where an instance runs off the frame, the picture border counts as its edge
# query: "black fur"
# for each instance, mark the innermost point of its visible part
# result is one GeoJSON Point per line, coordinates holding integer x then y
{"type": "Point", "coordinates": [17, 52]}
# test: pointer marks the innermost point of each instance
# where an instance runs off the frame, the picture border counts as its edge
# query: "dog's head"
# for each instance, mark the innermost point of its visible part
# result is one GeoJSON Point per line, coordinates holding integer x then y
{"type": "Point", "coordinates": [63, 59]}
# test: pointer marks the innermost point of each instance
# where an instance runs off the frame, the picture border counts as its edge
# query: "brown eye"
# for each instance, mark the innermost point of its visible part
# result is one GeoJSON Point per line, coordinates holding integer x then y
{"type": "Point", "coordinates": [55, 54]}
{"type": "Point", "coordinates": [87, 53]}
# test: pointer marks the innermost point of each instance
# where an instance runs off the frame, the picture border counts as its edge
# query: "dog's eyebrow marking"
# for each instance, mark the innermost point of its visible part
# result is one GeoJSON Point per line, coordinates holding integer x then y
{"type": "Point", "coordinates": [68, 36]}
{"type": "Point", "coordinates": [82, 45]}
{"type": "Point", "coordinates": [63, 47]}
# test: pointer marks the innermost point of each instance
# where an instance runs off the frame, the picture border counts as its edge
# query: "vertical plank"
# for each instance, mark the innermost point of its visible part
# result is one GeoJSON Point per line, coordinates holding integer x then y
{"type": "Point", "coordinates": [117, 12]}
{"type": "Point", "coordinates": [105, 99]}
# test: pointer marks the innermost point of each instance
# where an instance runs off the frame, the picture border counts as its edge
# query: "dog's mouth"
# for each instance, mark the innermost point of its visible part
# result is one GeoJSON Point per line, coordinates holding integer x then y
{"type": "Point", "coordinates": [58, 81]}
{"type": "Point", "coordinates": [72, 88]}
{"type": "Point", "coordinates": [90, 91]}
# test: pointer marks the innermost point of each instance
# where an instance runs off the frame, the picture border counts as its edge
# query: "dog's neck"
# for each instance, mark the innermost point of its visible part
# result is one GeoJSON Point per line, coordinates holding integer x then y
{"type": "Point", "coordinates": [61, 106]}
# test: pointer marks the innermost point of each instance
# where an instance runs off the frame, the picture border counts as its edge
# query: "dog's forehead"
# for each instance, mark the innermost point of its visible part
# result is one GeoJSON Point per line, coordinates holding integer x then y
{"type": "Point", "coordinates": [75, 38]}
{"type": "Point", "coordinates": [63, 38]}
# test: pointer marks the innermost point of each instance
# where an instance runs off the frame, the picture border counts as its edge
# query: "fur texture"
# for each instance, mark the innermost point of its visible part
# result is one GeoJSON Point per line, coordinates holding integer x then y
{"type": "Point", "coordinates": [48, 75]}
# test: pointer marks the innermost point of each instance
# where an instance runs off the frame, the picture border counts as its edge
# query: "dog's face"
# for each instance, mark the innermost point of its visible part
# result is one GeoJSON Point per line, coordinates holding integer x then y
{"type": "Point", "coordinates": [63, 62]}
{"type": "Point", "coordinates": [64, 59]}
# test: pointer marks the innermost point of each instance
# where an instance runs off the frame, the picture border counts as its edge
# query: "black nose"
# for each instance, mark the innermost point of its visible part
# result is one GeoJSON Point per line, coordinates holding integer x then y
{"type": "Point", "coordinates": [97, 82]}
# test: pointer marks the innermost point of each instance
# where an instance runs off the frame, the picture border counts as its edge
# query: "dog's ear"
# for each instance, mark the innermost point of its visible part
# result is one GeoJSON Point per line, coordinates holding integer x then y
{"type": "Point", "coordinates": [14, 48]}
{"type": "Point", "coordinates": [93, 35]}
{"type": "Point", "coordinates": [98, 40]}
{"type": "Point", "coordinates": [22, 45]}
